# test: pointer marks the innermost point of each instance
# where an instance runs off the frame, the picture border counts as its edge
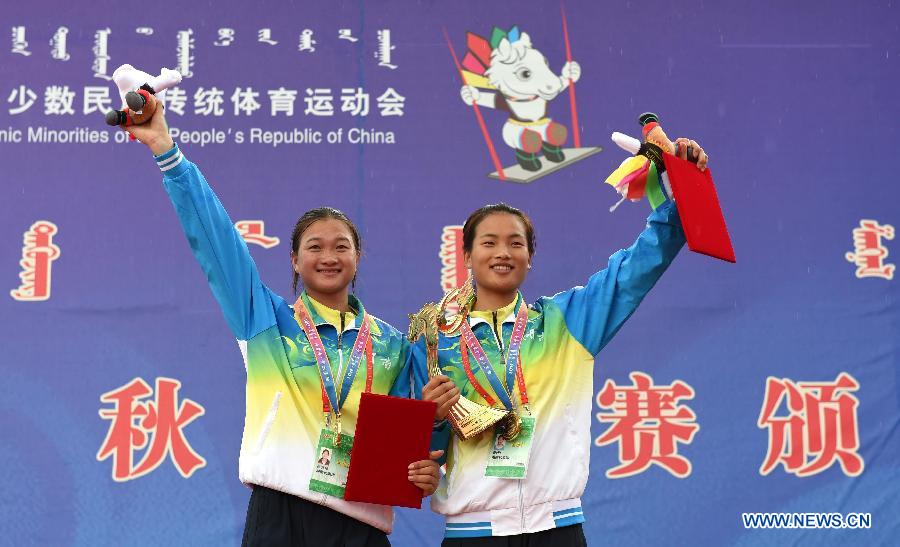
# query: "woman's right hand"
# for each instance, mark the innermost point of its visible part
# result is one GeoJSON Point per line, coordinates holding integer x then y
{"type": "Point", "coordinates": [444, 392]}
{"type": "Point", "coordinates": [686, 146]}
{"type": "Point", "coordinates": [155, 133]}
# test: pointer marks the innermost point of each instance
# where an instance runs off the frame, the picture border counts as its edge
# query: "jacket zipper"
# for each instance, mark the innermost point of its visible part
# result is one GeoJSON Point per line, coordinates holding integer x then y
{"type": "Point", "coordinates": [521, 505]}
{"type": "Point", "coordinates": [498, 334]}
{"type": "Point", "coordinates": [340, 373]}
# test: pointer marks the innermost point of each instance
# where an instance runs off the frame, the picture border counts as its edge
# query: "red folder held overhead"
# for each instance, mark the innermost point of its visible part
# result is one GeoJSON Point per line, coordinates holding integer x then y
{"type": "Point", "coordinates": [699, 209]}
{"type": "Point", "coordinates": [391, 433]}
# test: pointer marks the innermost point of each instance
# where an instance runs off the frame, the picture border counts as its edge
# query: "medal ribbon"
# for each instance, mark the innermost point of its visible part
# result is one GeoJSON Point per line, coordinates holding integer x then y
{"type": "Point", "coordinates": [468, 341]}
{"type": "Point", "coordinates": [363, 344]}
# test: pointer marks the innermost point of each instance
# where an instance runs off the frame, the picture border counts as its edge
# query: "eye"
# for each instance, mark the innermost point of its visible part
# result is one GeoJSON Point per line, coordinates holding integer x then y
{"type": "Point", "coordinates": [487, 243]}
{"type": "Point", "coordinates": [524, 74]}
{"type": "Point", "coordinates": [313, 248]}
{"type": "Point", "coordinates": [518, 244]}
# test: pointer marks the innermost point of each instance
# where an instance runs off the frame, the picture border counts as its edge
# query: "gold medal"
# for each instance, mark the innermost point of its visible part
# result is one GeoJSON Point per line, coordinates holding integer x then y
{"type": "Point", "coordinates": [511, 425]}
{"type": "Point", "coordinates": [333, 424]}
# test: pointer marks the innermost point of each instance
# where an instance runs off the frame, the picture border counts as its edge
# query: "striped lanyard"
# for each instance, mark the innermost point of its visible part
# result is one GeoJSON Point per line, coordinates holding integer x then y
{"type": "Point", "coordinates": [331, 400]}
{"type": "Point", "coordinates": [468, 342]}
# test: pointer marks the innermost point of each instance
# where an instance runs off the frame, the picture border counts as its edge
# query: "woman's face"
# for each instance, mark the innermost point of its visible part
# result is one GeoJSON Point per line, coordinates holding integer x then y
{"type": "Point", "coordinates": [499, 257]}
{"type": "Point", "coordinates": [326, 258]}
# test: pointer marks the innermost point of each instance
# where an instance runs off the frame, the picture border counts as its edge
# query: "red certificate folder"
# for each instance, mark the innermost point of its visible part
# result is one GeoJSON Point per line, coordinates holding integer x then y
{"type": "Point", "coordinates": [391, 433]}
{"type": "Point", "coordinates": [699, 209]}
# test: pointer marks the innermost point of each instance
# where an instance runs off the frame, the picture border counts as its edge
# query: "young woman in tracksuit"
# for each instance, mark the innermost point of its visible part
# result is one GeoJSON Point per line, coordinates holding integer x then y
{"type": "Point", "coordinates": [550, 385]}
{"type": "Point", "coordinates": [300, 403]}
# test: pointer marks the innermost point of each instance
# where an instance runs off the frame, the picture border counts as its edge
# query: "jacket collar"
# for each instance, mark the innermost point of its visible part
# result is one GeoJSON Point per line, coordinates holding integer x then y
{"type": "Point", "coordinates": [508, 313]}
{"type": "Point", "coordinates": [323, 315]}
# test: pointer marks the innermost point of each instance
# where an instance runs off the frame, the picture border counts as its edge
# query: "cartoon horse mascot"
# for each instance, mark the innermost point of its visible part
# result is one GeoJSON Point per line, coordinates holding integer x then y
{"type": "Point", "coordinates": [508, 74]}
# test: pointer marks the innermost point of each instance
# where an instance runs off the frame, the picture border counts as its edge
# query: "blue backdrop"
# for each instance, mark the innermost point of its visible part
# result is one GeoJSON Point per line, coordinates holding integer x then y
{"type": "Point", "coordinates": [794, 101]}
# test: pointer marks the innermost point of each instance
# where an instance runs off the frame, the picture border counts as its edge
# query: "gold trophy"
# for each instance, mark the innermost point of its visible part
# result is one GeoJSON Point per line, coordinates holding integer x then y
{"type": "Point", "coordinates": [467, 417]}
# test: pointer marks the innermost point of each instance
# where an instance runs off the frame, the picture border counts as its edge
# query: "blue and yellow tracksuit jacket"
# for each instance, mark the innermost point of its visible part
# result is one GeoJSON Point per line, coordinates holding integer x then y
{"type": "Point", "coordinates": [283, 396]}
{"type": "Point", "coordinates": [564, 334]}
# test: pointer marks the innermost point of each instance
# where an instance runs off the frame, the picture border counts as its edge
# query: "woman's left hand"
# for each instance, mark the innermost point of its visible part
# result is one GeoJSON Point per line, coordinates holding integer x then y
{"type": "Point", "coordinates": [426, 473]}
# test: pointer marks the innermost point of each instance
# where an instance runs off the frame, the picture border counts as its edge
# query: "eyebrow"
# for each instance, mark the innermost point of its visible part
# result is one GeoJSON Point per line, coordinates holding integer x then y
{"type": "Point", "coordinates": [319, 238]}
{"type": "Point", "coordinates": [496, 236]}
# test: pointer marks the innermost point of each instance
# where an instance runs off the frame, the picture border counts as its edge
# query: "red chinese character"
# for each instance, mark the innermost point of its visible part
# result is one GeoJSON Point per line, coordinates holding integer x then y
{"type": "Point", "coordinates": [648, 423]}
{"type": "Point", "coordinates": [819, 428]}
{"type": "Point", "coordinates": [870, 253]}
{"type": "Point", "coordinates": [453, 264]}
{"type": "Point", "coordinates": [253, 231]}
{"type": "Point", "coordinates": [159, 423]}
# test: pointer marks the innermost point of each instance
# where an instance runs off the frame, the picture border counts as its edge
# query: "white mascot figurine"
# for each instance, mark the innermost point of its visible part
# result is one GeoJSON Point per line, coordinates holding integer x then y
{"type": "Point", "coordinates": [140, 93]}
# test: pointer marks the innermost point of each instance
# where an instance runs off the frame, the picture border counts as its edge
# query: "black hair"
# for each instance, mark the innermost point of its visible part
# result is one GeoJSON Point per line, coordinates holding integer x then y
{"type": "Point", "coordinates": [480, 214]}
{"type": "Point", "coordinates": [315, 215]}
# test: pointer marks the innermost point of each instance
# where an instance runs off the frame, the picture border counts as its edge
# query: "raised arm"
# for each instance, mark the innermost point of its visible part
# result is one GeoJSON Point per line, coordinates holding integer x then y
{"type": "Point", "coordinates": [220, 250]}
{"type": "Point", "coordinates": [595, 312]}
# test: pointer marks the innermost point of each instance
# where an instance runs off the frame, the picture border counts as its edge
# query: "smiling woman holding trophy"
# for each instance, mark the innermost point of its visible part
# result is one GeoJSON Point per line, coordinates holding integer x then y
{"type": "Point", "coordinates": [514, 382]}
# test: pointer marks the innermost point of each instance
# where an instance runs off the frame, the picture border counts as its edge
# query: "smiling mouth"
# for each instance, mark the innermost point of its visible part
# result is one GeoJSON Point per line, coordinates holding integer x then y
{"type": "Point", "coordinates": [502, 268]}
{"type": "Point", "coordinates": [548, 96]}
{"type": "Point", "coordinates": [328, 271]}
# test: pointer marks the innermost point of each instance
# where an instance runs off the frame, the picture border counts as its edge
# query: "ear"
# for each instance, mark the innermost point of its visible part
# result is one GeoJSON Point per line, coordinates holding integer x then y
{"type": "Point", "coordinates": [525, 39]}
{"type": "Point", "coordinates": [295, 261]}
{"type": "Point", "coordinates": [503, 48]}
{"type": "Point", "coordinates": [467, 257]}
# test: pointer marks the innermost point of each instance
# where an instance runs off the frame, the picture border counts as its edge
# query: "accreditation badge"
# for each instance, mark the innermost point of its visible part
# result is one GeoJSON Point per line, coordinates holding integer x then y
{"type": "Point", "coordinates": [509, 459]}
{"type": "Point", "coordinates": [332, 461]}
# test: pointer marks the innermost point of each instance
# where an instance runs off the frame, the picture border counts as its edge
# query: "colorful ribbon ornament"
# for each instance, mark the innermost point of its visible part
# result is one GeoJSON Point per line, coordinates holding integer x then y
{"type": "Point", "coordinates": [638, 177]}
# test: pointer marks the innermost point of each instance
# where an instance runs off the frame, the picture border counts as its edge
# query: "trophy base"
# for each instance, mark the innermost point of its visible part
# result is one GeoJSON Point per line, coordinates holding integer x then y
{"type": "Point", "coordinates": [469, 419]}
